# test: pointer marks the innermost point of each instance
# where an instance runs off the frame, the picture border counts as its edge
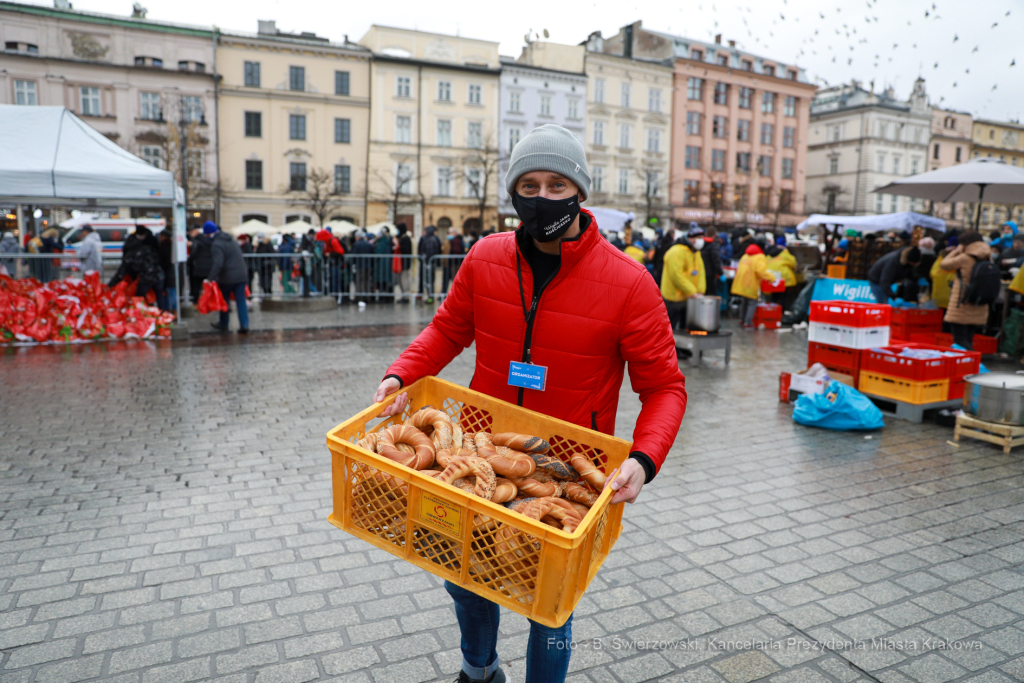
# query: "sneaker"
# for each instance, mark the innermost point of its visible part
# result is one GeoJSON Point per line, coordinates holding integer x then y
{"type": "Point", "coordinates": [218, 327]}
{"type": "Point", "coordinates": [496, 677]}
{"type": "Point", "coordinates": [430, 300]}
{"type": "Point", "coordinates": [243, 330]}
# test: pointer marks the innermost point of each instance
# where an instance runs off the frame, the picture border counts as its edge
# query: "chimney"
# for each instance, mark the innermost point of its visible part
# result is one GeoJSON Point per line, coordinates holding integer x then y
{"type": "Point", "coordinates": [718, 39]}
{"type": "Point", "coordinates": [62, 4]}
{"type": "Point", "coordinates": [732, 43]}
{"type": "Point", "coordinates": [627, 41]}
{"type": "Point", "coordinates": [267, 28]}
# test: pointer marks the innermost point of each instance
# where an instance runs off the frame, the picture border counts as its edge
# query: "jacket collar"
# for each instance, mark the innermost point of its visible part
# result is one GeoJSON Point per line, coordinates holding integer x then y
{"type": "Point", "coordinates": [571, 249]}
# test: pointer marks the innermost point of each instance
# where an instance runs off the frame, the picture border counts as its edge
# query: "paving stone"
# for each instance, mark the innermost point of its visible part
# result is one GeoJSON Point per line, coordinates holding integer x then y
{"type": "Point", "coordinates": [349, 660]}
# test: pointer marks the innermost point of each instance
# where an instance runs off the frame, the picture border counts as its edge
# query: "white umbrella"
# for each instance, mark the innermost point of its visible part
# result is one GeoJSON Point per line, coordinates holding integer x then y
{"type": "Point", "coordinates": [298, 228]}
{"type": "Point", "coordinates": [250, 227]}
{"type": "Point", "coordinates": [904, 220]}
{"type": "Point", "coordinates": [978, 180]}
{"type": "Point", "coordinates": [340, 227]}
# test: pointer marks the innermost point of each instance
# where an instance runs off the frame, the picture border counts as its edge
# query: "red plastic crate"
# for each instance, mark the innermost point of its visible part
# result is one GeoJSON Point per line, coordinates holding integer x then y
{"type": "Point", "coordinates": [839, 356]}
{"type": "Point", "coordinates": [962, 364]}
{"type": "Point", "coordinates": [985, 345]}
{"type": "Point", "coordinates": [784, 380]}
{"type": "Point", "coordinates": [768, 312]}
{"type": "Point", "coordinates": [769, 287]}
{"type": "Point", "coordinates": [894, 365]}
{"type": "Point", "coordinates": [918, 316]}
{"type": "Point", "coordinates": [906, 331]}
{"type": "Point", "coordinates": [850, 314]}
{"type": "Point", "coordinates": [956, 388]}
{"type": "Point", "coordinates": [943, 339]}
{"type": "Point", "coordinates": [923, 338]}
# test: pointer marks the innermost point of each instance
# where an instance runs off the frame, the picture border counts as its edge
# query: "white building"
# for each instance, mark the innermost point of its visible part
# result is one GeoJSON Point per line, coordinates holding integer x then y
{"type": "Point", "coordinates": [860, 140]}
{"type": "Point", "coordinates": [532, 96]}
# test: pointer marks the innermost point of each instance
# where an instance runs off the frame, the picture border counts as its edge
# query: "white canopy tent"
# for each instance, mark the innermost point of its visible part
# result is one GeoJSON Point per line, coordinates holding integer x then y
{"type": "Point", "coordinates": [613, 220]}
{"type": "Point", "coordinates": [904, 220]}
{"type": "Point", "coordinates": [251, 227]}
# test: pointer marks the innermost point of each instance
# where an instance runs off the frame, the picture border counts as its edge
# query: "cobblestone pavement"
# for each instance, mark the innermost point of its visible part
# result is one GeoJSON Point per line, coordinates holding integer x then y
{"type": "Point", "coordinates": [162, 518]}
{"type": "Point", "coordinates": [346, 315]}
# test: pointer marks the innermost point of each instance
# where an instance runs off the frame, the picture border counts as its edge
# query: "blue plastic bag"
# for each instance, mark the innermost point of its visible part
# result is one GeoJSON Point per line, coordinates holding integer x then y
{"type": "Point", "coordinates": [841, 408]}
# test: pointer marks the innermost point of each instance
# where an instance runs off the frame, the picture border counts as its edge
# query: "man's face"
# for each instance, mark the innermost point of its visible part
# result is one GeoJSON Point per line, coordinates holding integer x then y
{"type": "Point", "coordinates": [546, 184]}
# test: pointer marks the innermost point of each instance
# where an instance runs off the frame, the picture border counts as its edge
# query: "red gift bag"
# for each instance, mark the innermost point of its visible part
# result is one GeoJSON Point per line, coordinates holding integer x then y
{"type": "Point", "coordinates": [211, 299]}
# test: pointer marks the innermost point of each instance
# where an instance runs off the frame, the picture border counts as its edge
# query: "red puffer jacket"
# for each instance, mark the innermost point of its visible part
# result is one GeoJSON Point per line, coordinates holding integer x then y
{"type": "Point", "coordinates": [601, 310]}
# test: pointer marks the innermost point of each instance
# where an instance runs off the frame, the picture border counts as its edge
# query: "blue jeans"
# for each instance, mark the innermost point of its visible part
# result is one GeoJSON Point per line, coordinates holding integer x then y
{"type": "Point", "coordinates": [881, 293]}
{"type": "Point", "coordinates": [240, 307]}
{"type": "Point", "coordinates": [547, 653]}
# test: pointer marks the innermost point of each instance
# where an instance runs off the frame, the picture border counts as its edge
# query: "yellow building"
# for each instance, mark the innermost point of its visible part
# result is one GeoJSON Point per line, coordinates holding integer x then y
{"type": "Point", "coordinates": [433, 156]}
{"type": "Point", "coordinates": [1004, 141]}
{"type": "Point", "coordinates": [294, 115]}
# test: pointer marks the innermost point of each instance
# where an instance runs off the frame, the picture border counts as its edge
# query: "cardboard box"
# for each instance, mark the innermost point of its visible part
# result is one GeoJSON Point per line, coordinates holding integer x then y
{"type": "Point", "coordinates": [800, 383]}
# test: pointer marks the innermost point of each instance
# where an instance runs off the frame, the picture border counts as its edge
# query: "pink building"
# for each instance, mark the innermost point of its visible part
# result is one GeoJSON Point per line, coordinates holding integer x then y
{"type": "Point", "coordinates": [950, 145]}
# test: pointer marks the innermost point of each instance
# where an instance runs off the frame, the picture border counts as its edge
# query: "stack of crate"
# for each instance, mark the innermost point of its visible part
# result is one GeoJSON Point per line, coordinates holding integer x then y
{"type": "Point", "coordinates": [839, 332]}
{"type": "Point", "coordinates": [884, 372]}
{"type": "Point", "coordinates": [908, 322]}
{"type": "Point", "coordinates": [983, 344]}
{"type": "Point", "coordinates": [769, 315]}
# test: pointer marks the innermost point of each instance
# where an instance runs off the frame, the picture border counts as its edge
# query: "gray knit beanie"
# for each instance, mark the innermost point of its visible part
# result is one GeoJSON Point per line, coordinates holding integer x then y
{"type": "Point", "coordinates": [550, 148]}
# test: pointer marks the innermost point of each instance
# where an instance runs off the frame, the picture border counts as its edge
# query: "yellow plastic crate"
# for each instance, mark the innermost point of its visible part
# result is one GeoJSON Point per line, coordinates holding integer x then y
{"type": "Point", "coordinates": [525, 565]}
{"type": "Point", "coordinates": [900, 389]}
{"type": "Point", "coordinates": [837, 272]}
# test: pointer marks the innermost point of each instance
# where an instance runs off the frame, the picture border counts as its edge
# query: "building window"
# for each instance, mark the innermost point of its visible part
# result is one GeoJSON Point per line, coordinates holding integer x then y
{"type": "Point", "coordinates": [573, 106]}
{"type": "Point", "coordinates": [193, 108]}
{"type": "Point", "coordinates": [769, 70]}
{"type": "Point", "coordinates": [718, 160]}
{"type": "Point", "coordinates": [342, 179]}
{"type": "Point", "coordinates": [149, 106]}
{"type": "Point", "coordinates": [743, 162]}
{"type": "Point", "coordinates": [697, 55]}
{"type": "Point", "coordinates": [403, 84]}
{"type": "Point", "coordinates": [403, 129]}
{"type": "Point", "coordinates": [444, 91]}
{"type": "Point", "coordinates": [785, 200]}
{"type": "Point", "coordinates": [183, 65]}
{"type": "Point", "coordinates": [253, 124]}
{"type": "Point", "coordinates": [913, 165]}
{"type": "Point", "coordinates": [297, 177]}
{"type": "Point", "coordinates": [297, 126]}
{"type": "Point", "coordinates": [716, 195]}
{"type": "Point", "coordinates": [444, 133]}
{"type": "Point", "coordinates": [743, 130]}
{"type": "Point", "coordinates": [747, 65]}
{"type": "Point", "coordinates": [723, 60]}
{"type": "Point", "coordinates": [958, 155]}
{"type": "Point", "coordinates": [893, 203]}
{"type": "Point", "coordinates": [444, 181]}
{"type": "Point", "coordinates": [767, 133]}
{"type": "Point", "coordinates": [153, 155]}
{"type": "Point", "coordinates": [693, 123]}
{"type": "Point", "coordinates": [252, 74]}
{"type": "Point", "coordinates": [881, 163]}
{"type": "Point", "coordinates": [297, 78]}
{"type": "Point", "coordinates": [196, 163]}
{"type": "Point", "coordinates": [722, 93]}
{"type": "Point", "coordinates": [935, 151]}
{"type": "Point", "coordinates": [475, 94]}
{"type": "Point", "coordinates": [403, 179]}
{"type": "Point", "coordinates": [653, 140]}
{"type": "Point", "coordinates": [768, 103]}
{"type": "Point", "coordinates": [343, 131]}
{"type": "Point", "coordinates": [514, 134]}
{"type": "Point", "coordinates": [623, 181]}
{"type": "Point", "coordinates": [789, 107]}
{"type": "Point", "coordinates": [879, 198]}
{"type": "Point", "coordinates": [597, 178]}
{"type": "Point", "coordinates": [598, 132]}
{"type": "Point", "coordinates": [474, 183]}
{"type": "Point", "coordinates": [764, 166]}
{"type": "Point", "coordinates": [341, 82]}
{"type": "Point", "coordinates": [654, 99]}
{"type": "Point", "coordinates": [90, 101]}
{"type": "Point", "coordinates": [833, 165]}
{"type": "Point", "coordinates": [791, 74]}
{"type": "Point", "coordinates": [739, 197]}
{"type": "Point", "coordinates": [896, 164]}
{"type": "Point", "coordinates": [788, 137]}
{"type": "Point", "coordinates": [200, 67]}
{"type": "Point", "coordinates": [694, 88]}
{"type": "Point", "coordinates": [624, 98]}
{"type": "Point", "coordinates": [599, 90]}
{"type": "Point", "coordinates": [624, 134]}
{"type": "Point", "coordinates": [746, 96]}
{"type": "Point", "coordinates": [787, 168]}
{"type": "Point", "coordinates": [693, 157]}
{"type": "Point", "coordinates": [474, 135]}
{"type": "Point", "coordinates": [25, 93]}
{"type": "Point", "coordinates": [691, 192]}
{"type": "Point", "coordinates": [545, 105]}
{"type": "Point", "coordinates": [720, 127]}
{"type": "Point", "coordinates": [514, 102]}
{"type": "Point", "coordinates": [253, 175]}
{"type": "Point", "coordinates": [653, 184]}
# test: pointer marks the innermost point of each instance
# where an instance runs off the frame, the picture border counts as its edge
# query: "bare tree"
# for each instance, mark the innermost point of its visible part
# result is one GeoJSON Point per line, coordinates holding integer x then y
{"type": "Point", "coordinates": [184, 117]}
{"type": "Point", "coordinates": [397, 191]}
{"type": "Point", "coordinates": [320, 194]}
{"type": "Point", "coordinates": [481, 169]}
{"type": "Point", "coordinates": [652, 202]}
{"type": "Point", "coordinates": [717, 201]}
{"type": "Point", "coordinates": [831, 192]}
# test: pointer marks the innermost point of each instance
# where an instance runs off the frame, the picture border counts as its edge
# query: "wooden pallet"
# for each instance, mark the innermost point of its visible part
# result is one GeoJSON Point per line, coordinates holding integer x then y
{"type": "Point", "coordinates": [1006, 436]}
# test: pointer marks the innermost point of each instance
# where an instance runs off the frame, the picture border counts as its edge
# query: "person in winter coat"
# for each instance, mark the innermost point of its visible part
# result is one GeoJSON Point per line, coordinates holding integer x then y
{"type": "Point", "coordinates": [287, 246]}
{"type": "Point", "coordinates": [964, 319]}
{"type": "Point", "coordinates": [712, 260]}
{"type": "Point", "coordinates": [382, 275]}
{"type": "Point", "coordinates": [430, 245]}
{"type": "Point", "coordinates": [165, 298]}
{"type": "Point", "coordinates": [363, 266]}
{"type": "Point", "coordinates": [1012, 255]}
{"type": "Point", "coordinates": [90, 251]}
{"type": "Point", "coordinates": [752, 269]}
{"type": "Point", "coordinates": [266, 264]}
{"type": "Point", "coordinates": [661, 247]}
{"type": "Point", "coordinates": [556, 295]}
{"type": "Point", "coordinates": [245, 244]}
{"type": "Point", "coordinates": [405, 249]}
{"type": "Point", "coordinates": [230, 273]}
{"type": "Point", "coordinates": [450, 266]}
{"type": "Point", "coordinates": [1009, 230]}
{"type": "Point", "coordinates": [140, 258]}
{"type": "Point", "coordinates": [9, 245]}
{"type": "Point", "coordinates": [682, 276]}
{"type": "Point", "coordinates": [893, 268]}
{"type": "Point", "coordinates": [334, 254]}
{"type": "Point", "coordinates": [784, 263]}
{"type": "Point", "coordinates": [941, 280]}
{"type": "Point", "coordinates": [200, 259]}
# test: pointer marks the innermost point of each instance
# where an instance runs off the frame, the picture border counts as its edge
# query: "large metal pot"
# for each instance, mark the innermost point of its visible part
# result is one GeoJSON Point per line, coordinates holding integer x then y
{"type": "Point", "coordinates": [995, 397]}
{"type": "Point", "coordinates": [703, 313]}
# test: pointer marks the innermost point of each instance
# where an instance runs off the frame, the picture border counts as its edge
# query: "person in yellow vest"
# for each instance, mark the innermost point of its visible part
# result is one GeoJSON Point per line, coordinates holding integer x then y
{"type": "Point", "coordinates": [942, 280]}
{"type": "Point", "coordinates": [682, 275]}
{"type": "Point", "coordinates": [752, 269]}
{"type": "Point", "coordinates": [635, 252]}
{"type": "Point", "coordinates": [784, 263]}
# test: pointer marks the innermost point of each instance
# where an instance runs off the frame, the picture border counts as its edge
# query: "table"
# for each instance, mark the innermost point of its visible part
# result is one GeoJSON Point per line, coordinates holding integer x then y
{"type": "Point", "coordinates": [698, 342]}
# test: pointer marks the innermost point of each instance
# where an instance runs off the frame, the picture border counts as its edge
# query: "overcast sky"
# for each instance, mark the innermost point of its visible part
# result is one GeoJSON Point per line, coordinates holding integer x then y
{"type": "Point", "coordinates": [890, 42]}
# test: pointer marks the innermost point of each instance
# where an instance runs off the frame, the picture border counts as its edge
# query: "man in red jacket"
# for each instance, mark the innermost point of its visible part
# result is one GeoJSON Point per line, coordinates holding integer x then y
{"type": "Point", "coordinates": [333, 254]}
{"type": "Point", "coordinates": [557, 298]}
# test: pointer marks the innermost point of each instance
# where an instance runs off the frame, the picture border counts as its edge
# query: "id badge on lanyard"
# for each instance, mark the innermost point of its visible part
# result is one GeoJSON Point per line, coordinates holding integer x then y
{"type": "Point", "coordinates": [527, 375]}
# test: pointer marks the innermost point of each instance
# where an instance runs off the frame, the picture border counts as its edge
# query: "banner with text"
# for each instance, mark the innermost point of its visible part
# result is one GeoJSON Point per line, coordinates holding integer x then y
{"type": "Point", "coordinates": [829, 289]}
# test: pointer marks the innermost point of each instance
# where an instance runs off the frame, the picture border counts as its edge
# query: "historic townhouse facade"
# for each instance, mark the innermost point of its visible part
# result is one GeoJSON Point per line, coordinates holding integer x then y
{"type": "Point", "coordinates": [950, 144]}
{"type": "Point", "coordinates": [1003, 141]}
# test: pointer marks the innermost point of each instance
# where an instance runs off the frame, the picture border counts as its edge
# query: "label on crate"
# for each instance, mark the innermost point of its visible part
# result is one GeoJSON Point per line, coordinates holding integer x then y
{"type": "Point", "coordinates": [441, 514]}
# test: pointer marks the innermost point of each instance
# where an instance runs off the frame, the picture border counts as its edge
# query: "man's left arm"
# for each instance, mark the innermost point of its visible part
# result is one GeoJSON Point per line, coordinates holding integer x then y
{"type": "Point", "coordinates": [647, 345]}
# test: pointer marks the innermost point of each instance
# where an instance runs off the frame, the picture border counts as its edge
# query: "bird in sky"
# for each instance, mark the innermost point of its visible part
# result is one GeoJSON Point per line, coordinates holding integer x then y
{"type": "Point", "coordinates": [974, 50]}
{"type": "Point", "coordinates": [936, 65]}
{"type": "Point", "coordinates": [1013, 62]}
{"type": "Point", "coordinates": [995, 24]}
{"type": "Point", "coordinates": [955, 37]}
{"type": "Point", "coordinates": [995, 86]}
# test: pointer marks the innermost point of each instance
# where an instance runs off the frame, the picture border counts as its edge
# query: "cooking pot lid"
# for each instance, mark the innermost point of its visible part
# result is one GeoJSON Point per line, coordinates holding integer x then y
{"type": "Point", "coordinates": [998, 380]}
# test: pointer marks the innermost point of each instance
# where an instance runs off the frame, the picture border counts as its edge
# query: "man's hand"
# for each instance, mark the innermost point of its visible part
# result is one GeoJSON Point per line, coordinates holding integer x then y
{"type": "Point", "coordinates": [629, 482]}
{"type": "Point", "coordinates": [386, 388]}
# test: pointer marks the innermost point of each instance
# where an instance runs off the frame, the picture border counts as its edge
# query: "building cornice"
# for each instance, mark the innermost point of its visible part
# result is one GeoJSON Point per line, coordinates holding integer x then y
{"type": "Point", "coordinates": [207, 75]}
{"type": "Point", "coordinates": [718, 68]}
{"type": "Point", "coordinates": [106, 20]}
{"type": "Point", "coordinates": [410, 61]}
{"type": "Point", "coordinates": [860, 108]}
{"type": "Point", "coordinates": [293, 45]}
{"type": "Point", "coordinates": [553, 73]}
{"type": "Point", "coordinates": [298, 97]}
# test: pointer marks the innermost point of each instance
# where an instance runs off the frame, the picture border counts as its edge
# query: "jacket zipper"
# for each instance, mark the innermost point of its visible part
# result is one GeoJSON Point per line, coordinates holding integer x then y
{"type": "Point", "coordinates": [530, 317]}
{"type": "Point", "coordinates": [593, 420]}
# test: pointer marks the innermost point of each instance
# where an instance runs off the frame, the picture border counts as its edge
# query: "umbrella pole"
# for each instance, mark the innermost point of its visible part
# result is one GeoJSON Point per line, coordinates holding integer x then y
{"type": "Point", "coordinates": [977, 215]}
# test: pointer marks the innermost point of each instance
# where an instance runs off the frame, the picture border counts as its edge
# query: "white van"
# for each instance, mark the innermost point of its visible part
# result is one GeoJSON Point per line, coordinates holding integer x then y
{"type": "Point", "coordinates": [112, 231]}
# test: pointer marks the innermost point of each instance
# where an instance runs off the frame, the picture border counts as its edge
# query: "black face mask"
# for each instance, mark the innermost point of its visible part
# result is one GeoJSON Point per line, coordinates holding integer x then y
{"type": "Point", "coordinates": [546, 220]}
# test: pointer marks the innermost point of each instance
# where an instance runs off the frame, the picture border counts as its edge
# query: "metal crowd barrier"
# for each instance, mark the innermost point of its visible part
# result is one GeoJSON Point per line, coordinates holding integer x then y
{"type": "Point", "coordinates": [49, 267]}
{"type": "Point", "coordinates": [352, 277]}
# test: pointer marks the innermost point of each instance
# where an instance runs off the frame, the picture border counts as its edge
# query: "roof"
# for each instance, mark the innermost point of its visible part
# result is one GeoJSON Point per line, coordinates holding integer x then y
{"type": "Point", "coordinates": [510, 62]}
{"type": "Point", "coordinates": [437, 64]}
{"type": "Point", "coordinates": [719, 46]}
{"type": "Point", "coordinates": [106, 19]}
{"type": "Point", "coordinates": [295, 39]}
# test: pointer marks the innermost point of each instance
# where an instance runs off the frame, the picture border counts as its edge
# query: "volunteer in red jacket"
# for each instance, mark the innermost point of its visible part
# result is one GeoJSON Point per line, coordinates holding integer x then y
{"type": "Point", "coordinates": [557, 302]}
